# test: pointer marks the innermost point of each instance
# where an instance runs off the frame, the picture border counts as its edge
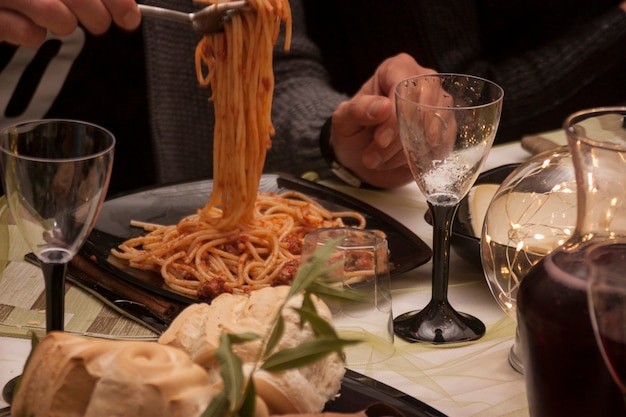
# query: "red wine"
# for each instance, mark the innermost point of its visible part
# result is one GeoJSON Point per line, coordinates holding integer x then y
{"type": "Point", "coordinates": [610, 305]}
{"type": "Point", "coordinates": [616, 354]}
{"type": "Point", "coordinates": [563, 367]}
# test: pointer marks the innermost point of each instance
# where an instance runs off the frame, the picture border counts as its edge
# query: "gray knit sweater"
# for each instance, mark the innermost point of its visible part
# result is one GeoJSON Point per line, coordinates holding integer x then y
{"type": "Point", "coordinates": [551, 58]}
{"type": "Point", "coordinates": [182, 117]}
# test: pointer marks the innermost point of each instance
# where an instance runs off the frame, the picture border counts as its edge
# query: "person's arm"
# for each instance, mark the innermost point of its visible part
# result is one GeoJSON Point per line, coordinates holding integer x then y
{"type": "Point", "coordinates": [303, 100]}
{"type": "Point", "coordinates": [27, 22]}
{"type": "Point", "coordinates": [581, 68]}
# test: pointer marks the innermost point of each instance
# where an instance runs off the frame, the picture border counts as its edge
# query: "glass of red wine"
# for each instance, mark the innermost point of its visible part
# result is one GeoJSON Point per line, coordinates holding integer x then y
{"type": "Point", "coordinates": [607, 305]}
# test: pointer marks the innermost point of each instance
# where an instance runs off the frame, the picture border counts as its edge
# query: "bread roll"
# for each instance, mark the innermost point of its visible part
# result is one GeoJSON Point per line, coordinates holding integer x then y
{"type": "Point", "coordinates": [304, 390]}
{"type": "Point", "coordinates": [72, 376]}
{"type": "Point", "coordinates": [69, 375]}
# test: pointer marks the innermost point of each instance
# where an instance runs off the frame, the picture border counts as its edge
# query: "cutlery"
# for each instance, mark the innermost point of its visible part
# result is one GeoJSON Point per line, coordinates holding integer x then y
{"type": "Point", "coordinates": [537, 144]}
{"type": "Point", "coordinates": [150, 310]}
{"type": "Point", "coordinates": [207, 21]}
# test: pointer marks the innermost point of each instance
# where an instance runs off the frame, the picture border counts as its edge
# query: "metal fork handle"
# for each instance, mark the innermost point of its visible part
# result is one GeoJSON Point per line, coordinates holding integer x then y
{"type": "Point", "coordinates": [211, 18]}
{"type": "Point", "coordinates": [206, 21]}
{"type": "Point", "coordinates": [166, 14]}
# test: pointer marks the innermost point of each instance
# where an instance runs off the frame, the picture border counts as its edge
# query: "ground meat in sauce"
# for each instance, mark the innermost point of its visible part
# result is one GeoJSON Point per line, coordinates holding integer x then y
{"type": "Point", "coordinates": [235, 247]}
{"type": "Point", "coordinates": [294, 244]}
{"type": "Point", "coordinates": [208, 290]}
{"type": "Point", "coordinates": [287, 273]}
{"type": "Point", "coordinates": [359, 261]}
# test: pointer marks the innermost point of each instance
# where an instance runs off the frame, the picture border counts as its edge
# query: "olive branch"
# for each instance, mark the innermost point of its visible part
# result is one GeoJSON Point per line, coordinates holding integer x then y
{"type": "Point", "coordinates": [313, 278]}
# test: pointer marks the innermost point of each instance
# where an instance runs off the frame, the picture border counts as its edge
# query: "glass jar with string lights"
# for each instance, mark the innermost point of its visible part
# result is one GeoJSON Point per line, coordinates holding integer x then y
{"type": "Point", "coordinates": [531, 213]}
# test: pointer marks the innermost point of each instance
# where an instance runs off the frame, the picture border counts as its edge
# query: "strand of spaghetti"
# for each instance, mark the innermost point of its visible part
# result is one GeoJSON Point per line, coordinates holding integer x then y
{"type": "Point", "coordinates": [156, 249]}
{"type": "Point", "coordinates": [213, 266]}
{"type": "Point", "coordinates": [286, 222]}
{"type": "Point", "coordinates": [270, 261]}
{"type": "Point", "coordinates": [261, 280]}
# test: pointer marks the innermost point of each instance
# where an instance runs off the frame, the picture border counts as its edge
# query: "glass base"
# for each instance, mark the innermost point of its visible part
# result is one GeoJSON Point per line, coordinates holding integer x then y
{"type": "Point", "coordinates": [438, 324]}
{"type": "Point", "coordinates": [9, 389]}
{"type": "Point", "coordinates": [515, 355]}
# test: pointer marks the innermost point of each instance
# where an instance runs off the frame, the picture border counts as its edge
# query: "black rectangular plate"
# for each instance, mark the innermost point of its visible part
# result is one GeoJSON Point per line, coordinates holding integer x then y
{"type": "Point", "coordinates": [169, 204]}
{"type": "Point", "coordinates": [359, 392]}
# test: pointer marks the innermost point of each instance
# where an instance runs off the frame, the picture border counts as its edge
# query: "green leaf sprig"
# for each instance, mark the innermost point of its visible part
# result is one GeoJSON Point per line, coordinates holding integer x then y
{"type": "Point", "coordinates": [314, 278]}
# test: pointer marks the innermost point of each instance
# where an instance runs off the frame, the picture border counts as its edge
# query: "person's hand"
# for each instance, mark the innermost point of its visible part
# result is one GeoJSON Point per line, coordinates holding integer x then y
{"type": "Point", "coordinates": [364, 129]}
{"type": "Point", "coordinates": [433, 128]}
{"type": "Point", "coordinates": [26, 22]}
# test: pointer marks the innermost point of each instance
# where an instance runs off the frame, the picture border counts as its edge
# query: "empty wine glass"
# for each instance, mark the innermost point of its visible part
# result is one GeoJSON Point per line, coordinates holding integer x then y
{"type": "Point", "coordinates": [447, 124]}
{"type": "Point", "coordinates": [607, 305]}
{"type": "Point", "coordinates": [56, 174]}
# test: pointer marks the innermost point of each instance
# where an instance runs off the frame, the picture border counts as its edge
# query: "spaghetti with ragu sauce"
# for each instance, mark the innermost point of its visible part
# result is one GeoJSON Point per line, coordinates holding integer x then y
{"type": "Point", "coordinates": [242, 239]}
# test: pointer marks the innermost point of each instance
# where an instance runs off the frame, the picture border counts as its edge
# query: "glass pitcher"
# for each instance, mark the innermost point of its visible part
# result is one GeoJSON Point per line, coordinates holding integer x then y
{"type": "Point", "coordinates": [564, 371]}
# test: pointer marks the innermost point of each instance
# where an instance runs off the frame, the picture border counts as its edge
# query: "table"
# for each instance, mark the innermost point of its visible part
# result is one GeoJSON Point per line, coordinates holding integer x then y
{"type": "Point", "coordinates": [472, 379]}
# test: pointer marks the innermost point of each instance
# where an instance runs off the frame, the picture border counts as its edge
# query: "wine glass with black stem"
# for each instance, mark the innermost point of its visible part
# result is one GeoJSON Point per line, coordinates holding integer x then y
{"type": "Point", "coordinates": [447, 124]}
{"type": "Point", "coordinates": [55, 175]}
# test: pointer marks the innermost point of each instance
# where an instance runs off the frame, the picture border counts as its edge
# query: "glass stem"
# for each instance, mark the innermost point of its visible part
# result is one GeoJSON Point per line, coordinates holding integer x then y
{"type": "Point", "coordinates": [54, 277]}
{"type": "Point", "coordinates": [442, 226]}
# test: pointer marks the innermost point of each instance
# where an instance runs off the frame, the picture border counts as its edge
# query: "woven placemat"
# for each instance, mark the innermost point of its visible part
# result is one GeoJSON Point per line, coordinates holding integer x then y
{"type": "Point", "coordinates": [22, 309]}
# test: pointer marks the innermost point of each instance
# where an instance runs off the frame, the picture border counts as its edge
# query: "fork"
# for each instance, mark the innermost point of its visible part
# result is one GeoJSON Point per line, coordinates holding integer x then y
{"type": "Point", "coordinates": [207, 21]}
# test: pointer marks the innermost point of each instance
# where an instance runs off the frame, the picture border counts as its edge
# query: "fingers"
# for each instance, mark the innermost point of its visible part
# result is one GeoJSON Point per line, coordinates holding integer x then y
{"type": "Point", "coordinates": [365, 137]}
{"type": "Point", "coordinates": [390, 72]}
{"type": "Point", "coordinates": [97, 15]}
{"type": "Point", "coordinates": [384, 159]}
{"type": "Point", "coordinates": [92, 14]}
{"type": "Point", "coordinates": [124, 12]}
{"type": "Point", "coordinates": [25, 22]}
{"type": "Point", "coordinates": [30, 17]}
{"type": "Point", "coordinates": [439, 124]}
{"type": "Point", "coordinates": [385, 149]}
{"type": "Point", "coordinates": [19, 30]}
{"type": "Point", "coordinates": [361, 112]}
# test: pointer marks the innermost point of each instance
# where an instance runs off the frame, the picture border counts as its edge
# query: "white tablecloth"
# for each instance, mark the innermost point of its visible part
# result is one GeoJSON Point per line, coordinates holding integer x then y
{"type": "Point", "coordinates": [474, 379]}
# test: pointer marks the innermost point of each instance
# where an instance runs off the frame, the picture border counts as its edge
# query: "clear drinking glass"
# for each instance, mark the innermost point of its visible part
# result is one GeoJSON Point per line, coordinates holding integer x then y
{"type": "Point", "coordinates": [447, 124]}
{"type": "Point", "coordinates": [55, 175]}
{"type": "Point", "coordinates": [364, 267]}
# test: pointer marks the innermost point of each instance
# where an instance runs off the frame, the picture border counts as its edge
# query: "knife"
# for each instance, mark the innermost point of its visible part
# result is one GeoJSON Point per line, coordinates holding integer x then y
{"type": "Point", "coordinates": [123, 297]}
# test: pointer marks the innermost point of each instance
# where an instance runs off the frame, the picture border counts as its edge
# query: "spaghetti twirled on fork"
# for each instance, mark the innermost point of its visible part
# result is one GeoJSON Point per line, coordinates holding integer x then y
{"type": "Point", "coordinates": [241, 239]}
